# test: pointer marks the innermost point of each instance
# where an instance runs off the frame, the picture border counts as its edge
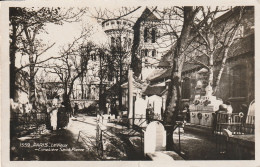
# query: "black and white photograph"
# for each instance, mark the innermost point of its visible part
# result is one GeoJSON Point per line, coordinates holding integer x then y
{"type": "Point", "coordinates": [131, 83]}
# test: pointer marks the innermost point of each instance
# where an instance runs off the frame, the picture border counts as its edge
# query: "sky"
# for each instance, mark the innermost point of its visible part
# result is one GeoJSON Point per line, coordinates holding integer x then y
{"type": "Point", "coordinates": [64, 34]}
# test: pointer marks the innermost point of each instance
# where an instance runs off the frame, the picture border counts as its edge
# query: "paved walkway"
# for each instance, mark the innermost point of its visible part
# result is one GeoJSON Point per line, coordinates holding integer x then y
{"type": "Point", "coordinates": [56, 145]}
{"type": "Point", "coordinates": [113, 145]}
{"type": "Point", "coordinates": [59, 145]}
{"type": "Point", "coordinates": [67, 144]}
{"type": "Point", "coordinates": [195, 146]}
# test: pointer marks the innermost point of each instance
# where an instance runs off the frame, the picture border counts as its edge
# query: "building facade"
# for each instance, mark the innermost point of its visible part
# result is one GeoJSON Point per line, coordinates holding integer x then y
{"type": "Point", "coordinates": [149, 45]}
{"type": "Point", "coordinates": [237, 81]}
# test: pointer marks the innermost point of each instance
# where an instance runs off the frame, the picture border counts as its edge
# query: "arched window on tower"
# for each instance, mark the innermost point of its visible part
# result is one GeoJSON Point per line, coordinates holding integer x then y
{"type": "Point", "coordinates": [153, 35]}
{"type": "Point", "coordinates": [154, 53]}
{"type": "Point", "coordinates": [125, 42]}
{"type": "Point", "coordinates": [145, 34]}
{"type": "Point", "coordinates": [129, 42]}
{"type": "Point", "coordinates": [118, 41]}
{"type": "Point", "coordinates": [92, 57]}
{"type": "Point", "coordinates": [146, 52]}
{"type": "Point", "coordinates": [112, 41]}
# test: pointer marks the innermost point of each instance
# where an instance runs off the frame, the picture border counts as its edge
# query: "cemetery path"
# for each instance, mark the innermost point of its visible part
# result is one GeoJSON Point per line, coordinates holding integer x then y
{"type": "Point", "coordinates": [67, 144]}
{"type": "Point", "coordinates": [59, 145]}
{"type": "Point", "coordinates": [197, 146]}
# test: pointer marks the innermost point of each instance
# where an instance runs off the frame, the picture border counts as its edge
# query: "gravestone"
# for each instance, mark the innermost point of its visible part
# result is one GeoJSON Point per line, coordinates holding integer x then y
{"type": "Point", "coordinates": [154, 138]}
{"type": "Point", "coordinates": [251, 113]}
{"type": "Point", "coordinates": [140, 106]}
{"type": "Point", "coordinates": [156, 102]}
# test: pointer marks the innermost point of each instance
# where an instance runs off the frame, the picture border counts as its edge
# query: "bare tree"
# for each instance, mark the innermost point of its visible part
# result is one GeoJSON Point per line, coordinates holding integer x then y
{"type": "Point", "coordinates": [25, 25]}
{"type": "Point", "coordinates": [72, 63]}
{"type": "Point", "coordinates": [120, 56]}
{"type": "Point", "coordinates": [180, 25]}
{"type": "Point", "coordinates": [102, 55]}
{"type": "Point", "coordinates": [87, 50]}
{"type": "Point", "coordinates": [214, 38]}
{"type": "Point", "coordinates": [175, 32]}
{"type": "Point", "coordinates": [120, 42]}
{"type": "Point", "coordinates": [174, 90]}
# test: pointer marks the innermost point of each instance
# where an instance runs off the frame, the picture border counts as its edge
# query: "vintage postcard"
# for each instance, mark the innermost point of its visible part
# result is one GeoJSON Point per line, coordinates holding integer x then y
{"type": "Point", "coordinates": [129, 83]}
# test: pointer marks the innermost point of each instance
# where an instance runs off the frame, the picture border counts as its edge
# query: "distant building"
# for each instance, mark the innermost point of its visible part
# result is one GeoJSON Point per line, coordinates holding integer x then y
{"type": "Point", "coordinates": [21, 87]}
{"type": "Point", "coordinates": [51, 89]}
{"type": "Point", "coordinates": [237, 81]}
{"type": "Point", "coordinates": [149, 45]}
{"type": "Point", "coordinates": [151, 59]}
{"type": "Point", "coordinates": [135, 41]}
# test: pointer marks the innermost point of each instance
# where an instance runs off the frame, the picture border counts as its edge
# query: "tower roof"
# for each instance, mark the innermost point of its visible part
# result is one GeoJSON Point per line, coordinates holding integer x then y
{"type": "Point", "coordinates": [148, 15]}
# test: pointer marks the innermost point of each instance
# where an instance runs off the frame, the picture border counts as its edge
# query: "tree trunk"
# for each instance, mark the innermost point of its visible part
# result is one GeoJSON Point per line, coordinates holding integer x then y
{"type": "Point", "coordinates": [172, 109]}
{"type": "Point", "coordinates": [32, 85]}
{"type": "Point", "coordinates": [100, 84]}
{"type": "Point", "coordinates": [13, 49]}
{"type": "Point", "coordinates": [136, 58]}
{"type": "Point", "coordinates": [67, 104]}
{"type": "Point", "coordinates": [66, 97]}
{"type": "Point", "coordinates": [120, 82]}
{"type": "Point", "coordinates": [174, 90]}
{"type": "Point", "coordinates": [211, 69]}
{"type": "Point", "coordinates": [31, 51]}
{"type": "Point", "coordinates": [223, 64]}
{"type": "Point", "coordinates": [82, 88]}
{"type": "Point", "coordinates": [211, 76]}
{"type": "Point", "coordinates": [130, 97]}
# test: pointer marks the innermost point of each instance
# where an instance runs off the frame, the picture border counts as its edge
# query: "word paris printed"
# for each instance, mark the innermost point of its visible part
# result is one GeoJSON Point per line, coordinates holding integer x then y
{"type": "Point", "coordinates": [131, 83]}
{"type": "Point", "coordinates": [49, 147]}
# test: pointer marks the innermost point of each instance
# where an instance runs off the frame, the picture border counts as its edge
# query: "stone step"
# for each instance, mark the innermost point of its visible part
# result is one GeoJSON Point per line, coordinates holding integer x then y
{"type": "Point", "coordinates": [164, 156]}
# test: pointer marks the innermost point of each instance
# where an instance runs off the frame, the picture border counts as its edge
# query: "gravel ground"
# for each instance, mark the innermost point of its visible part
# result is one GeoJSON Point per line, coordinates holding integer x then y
{"type": "Point", "coordinates": [56, 145]}
{"type": "Point", "coordinates": [68, 144]}
{"type": "Point", "coordinates": [197, 146]}
{"type": "Point", "coordinates": [64, 140]}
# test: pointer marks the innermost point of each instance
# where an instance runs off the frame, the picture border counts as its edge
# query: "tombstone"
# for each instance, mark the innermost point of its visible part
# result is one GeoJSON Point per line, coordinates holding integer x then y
{"type": "Point", "coordinates": [251, 113]}
{"type": "Point", "coordinates": [156, 102]}
{"type": "Point", "coordinates": [112, 117]}
{"type": "Point", "coordinates": [105, 118]}
{"type": "Point", "coordinates": [140, 111]}
{"type": "Point", "coordinates": [154, 138]}
{"type": "Point", "coordinates": [140, 106]}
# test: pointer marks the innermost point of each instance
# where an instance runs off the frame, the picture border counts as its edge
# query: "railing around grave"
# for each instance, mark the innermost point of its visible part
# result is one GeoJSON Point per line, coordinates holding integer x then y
{"type": "Point", "coordinates": [232, 130]}
{"type": "Point", "coordinates": [110, 129]}
{"type": "Point", "coordinates": [124, 128]}
{"type": "Point", "coordinates": [236, 123]}
{"type": "Point", "coordinates": [24, 123]}
{"type": "Point", "coordinates": [177, 146]}
{"type": "Point", "coordinates": [94, 144]}
{"type": "Point", "coordinates": [109, 143]}
{"type": "Point", "coordinates": [25, 119]}
{"type": "Point", "coordinates": [89, 141]}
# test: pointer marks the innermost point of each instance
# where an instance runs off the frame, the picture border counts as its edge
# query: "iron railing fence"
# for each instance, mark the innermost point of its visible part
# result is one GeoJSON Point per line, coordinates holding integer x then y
{"type": "Point", "coordinates": [228, 125]}
{"type": "Point", "coordinates": [24, 119]}
{"type": "Point", "coordinates": [236, 123]}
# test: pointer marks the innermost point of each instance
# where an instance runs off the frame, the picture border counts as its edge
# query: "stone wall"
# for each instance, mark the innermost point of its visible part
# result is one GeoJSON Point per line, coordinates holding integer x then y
{"type": "Point", "coordinates": [227, 89]}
